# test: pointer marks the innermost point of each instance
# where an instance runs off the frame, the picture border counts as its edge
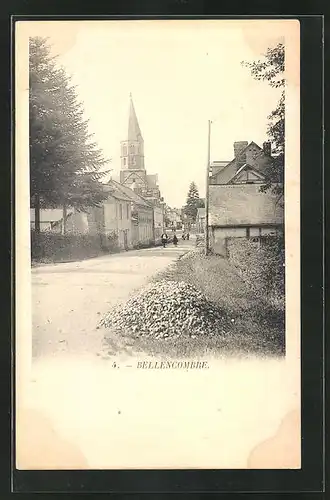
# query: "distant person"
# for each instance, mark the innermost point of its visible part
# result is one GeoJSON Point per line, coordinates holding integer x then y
{"type": "Point", "coordinates": [183, 236]}
{"type": "Point", "coordinates": [175, 240]}
{"type": "Point", "coordinates": [164, 239]}
{"type": "Point", "coordinates": [187, 236]}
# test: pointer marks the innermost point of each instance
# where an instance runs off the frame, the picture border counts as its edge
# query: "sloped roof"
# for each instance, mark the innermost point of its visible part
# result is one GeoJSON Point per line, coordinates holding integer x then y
{"type": "Point", "coordinates": [246, 166]}
{"type": "Point", "coordinates": [230, 164]}
{"type": "Point", "coordinates": [134, 132]}
{"type": "Point", "coordinates": [219, 163]}
{"type": "Point", "coordinates": [242, 204]}
{"type": "Point", "coordinates": [115, 192]}
{"type": "Point", "coordinates": [136, 198]}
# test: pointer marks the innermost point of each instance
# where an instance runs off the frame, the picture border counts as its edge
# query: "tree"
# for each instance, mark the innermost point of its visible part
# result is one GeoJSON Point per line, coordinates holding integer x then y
{"type": "Point", "coordinates": [193, 203]}
{"type": "Point", "coordinates": [65, 164]}
{"type": "Point", "coordinates": [271, 70]}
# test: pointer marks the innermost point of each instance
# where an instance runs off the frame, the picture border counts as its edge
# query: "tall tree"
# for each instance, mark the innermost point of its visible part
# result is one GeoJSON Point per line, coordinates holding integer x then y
{"type": "Point", "coordinates": [193, 203]}
{"type": "Point", "coordinates": [65, 163]}
{"type": "Point", "coordinates": [271, 70]}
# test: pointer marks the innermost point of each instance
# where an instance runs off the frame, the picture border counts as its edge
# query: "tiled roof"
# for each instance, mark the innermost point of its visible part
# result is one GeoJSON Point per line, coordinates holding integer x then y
{"type": "Point", "coordinates": [243, 204]}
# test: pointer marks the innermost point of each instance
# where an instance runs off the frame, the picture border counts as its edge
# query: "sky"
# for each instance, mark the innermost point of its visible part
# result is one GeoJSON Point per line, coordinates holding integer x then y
{"type": "Point", "coordinates": [181, 74]}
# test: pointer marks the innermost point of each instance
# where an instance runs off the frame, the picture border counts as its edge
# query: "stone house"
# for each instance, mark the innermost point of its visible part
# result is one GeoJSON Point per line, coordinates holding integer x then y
{"type": "Point", "coordinates": [237, 206]}
{"type": "Point", "coordinates": [142, 216]}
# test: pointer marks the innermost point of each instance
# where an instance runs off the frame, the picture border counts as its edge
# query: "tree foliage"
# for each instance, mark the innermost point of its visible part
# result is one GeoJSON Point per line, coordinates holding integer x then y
{"type": "Point", "coordinates": [65, 162]}
{"type": "Point", "coordinates": [271, 70]}
{"type": "Point", "coordinates": [193, 203]}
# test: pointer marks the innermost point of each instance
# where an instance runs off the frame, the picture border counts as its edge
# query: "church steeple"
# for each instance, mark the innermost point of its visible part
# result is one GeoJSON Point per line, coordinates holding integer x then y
{"type": "Point", "coordinates": [134, 132]}
{"type": "Point", "coordinates": [132, 150]}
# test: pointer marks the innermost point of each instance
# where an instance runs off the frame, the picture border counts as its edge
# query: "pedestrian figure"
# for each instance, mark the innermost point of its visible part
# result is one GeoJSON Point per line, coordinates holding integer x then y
{"type": "Point", "coordinates": [175, 240]}
{"type": "Point", "coordinates": [188, 236]}
{"type": "Point", "coordinates": [164, 239]}
{"type": "Point", "coordinates": [183, 236]}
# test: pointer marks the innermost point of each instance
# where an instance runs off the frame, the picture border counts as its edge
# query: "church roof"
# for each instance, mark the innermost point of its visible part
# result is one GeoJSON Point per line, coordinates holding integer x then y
{"type": "Point", "coordinates": [134, 132]}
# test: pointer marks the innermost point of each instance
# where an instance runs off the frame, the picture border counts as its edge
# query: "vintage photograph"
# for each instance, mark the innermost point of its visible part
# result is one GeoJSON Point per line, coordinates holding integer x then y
{"type": "Point", "coordinates": [157, 221]}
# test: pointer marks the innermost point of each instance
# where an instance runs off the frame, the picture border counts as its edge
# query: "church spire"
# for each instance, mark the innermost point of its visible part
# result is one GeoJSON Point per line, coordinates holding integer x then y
{"type": "Point", "coordinates": [134, 132]}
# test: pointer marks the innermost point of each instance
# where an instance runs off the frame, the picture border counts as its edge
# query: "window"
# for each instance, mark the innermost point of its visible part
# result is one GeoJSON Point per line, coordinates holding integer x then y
{"type": "Point", "coordinates": [124, 150]}
{"type": "Point", "coordinates": [124, 161]}
{"type": "Point", "coordinates": [127, 210]}
{"type": "Point", "coordinates": [120, 211]}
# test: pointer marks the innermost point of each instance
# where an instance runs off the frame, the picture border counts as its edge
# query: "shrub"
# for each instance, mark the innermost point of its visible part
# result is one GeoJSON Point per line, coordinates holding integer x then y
{"type": "Point", "coordinates": [54, 247]}
{"type": "Point", "coordinates": [261, 264]}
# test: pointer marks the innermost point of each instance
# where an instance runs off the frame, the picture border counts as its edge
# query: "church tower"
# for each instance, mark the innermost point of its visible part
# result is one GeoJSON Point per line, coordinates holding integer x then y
{"type": "Point", "coordinates": [132, 154]}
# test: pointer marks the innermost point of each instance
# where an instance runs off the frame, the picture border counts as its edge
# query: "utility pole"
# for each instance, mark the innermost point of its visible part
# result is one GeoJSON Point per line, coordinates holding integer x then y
{"type": "Point", "coordinates": [207, 245]}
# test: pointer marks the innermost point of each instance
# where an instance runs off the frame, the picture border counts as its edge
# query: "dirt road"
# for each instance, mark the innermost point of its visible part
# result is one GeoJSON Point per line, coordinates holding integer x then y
{"type": "Point", "coordinates": [68, 300]}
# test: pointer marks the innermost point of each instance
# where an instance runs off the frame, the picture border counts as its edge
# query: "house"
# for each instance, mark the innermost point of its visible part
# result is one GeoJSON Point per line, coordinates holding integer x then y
{"type": "Point", "coordinates": [142, 215]}
{"type": "Point", "coordinates": [112, 221]}
{"type": "Point", "coordinates": [51, 220]}
{"type": "Point", "coordinates": [256, 158]}
{"type": "Point", "coordinates": [242, 211]}
{"type": "Point", "coordinates": [237, 206]}
{"type": "Point", "coordinates": [200, 220]}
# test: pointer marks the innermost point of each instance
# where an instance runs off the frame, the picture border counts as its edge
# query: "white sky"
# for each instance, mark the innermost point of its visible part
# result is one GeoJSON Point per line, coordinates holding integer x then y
{"type": "Point", "coordinates": [181, 74]}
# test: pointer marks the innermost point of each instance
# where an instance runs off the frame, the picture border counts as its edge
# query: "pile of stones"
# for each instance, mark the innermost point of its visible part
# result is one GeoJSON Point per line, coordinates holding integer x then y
{"type": "Point", "coordinates": [166, 309]}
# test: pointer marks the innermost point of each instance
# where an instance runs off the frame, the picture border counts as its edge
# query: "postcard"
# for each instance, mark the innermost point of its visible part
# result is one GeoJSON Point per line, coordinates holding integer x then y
{"type": "Point", "coordinates": [157, 167]}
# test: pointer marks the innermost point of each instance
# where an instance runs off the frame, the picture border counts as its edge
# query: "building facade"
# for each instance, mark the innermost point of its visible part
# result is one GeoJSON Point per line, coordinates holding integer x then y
{"type": "Point", "coordinates": [142, 215]}
{"type": "Point", "coordinates": [238, 208]}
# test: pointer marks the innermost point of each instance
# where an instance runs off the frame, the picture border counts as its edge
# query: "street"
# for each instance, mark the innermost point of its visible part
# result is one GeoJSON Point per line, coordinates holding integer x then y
{"type": "Point", "coordinates": [82, 411]}
{"type": "Point", "coordinates": [69, 299]}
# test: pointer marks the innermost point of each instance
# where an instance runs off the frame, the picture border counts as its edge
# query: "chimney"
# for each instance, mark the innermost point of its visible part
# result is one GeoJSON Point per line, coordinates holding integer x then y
{"type": "Point", "coordinates": [239, 146]}
{"type": "Point", "coordinates": [267, 147]}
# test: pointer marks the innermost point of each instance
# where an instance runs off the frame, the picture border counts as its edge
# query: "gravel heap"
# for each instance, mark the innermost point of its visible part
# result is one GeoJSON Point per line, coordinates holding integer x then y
{"type": "Point", "coordinates": [166, 309]}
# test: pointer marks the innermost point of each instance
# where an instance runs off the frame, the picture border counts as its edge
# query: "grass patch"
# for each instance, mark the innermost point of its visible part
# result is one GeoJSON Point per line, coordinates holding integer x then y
{"type": "Point", "coordinates": [255, 326]}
